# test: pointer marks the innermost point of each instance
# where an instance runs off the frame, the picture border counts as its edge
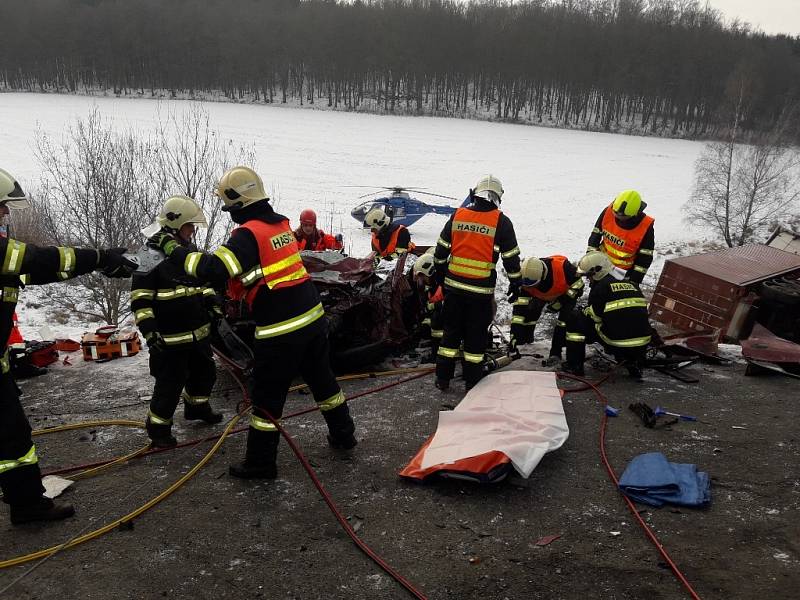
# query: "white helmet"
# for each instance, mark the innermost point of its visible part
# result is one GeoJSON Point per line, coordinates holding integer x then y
{"type": "Point", "coordinates": [533, 271]}
{"type": "Point", "coordinates": [425, 264]}
{"type": "Point", "coordinates": [489, 187]}
{"type": "Point", "coordinates": [178, 211]}
{"type": "Point", "coordinates": [376, 219]}
{"type": "Point", "coordinates": [11, 193]}
{"type": "Point", "coordinates": [595, 264]}
{"type": "Point", "coordinates": [240, 187]}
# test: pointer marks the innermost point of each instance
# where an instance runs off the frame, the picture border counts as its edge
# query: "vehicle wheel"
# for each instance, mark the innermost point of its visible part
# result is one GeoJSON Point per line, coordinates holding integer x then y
{"type": "Point", "coordinates": [776, 292]}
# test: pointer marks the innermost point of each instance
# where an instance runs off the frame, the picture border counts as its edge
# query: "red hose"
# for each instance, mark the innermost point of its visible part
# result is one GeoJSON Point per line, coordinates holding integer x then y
{"type": "Point", "coordinates": [645, 527]}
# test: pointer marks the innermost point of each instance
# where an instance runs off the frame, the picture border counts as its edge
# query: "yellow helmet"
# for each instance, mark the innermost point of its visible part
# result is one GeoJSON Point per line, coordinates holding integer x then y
{"type": "Point", "coordinates": [596, 264]}
{"type": "Point", "coordinates": [11, 193]}
{"type": "Point", "coordinates": [376, 219]}
{"type": "Point", "coordinates": [489, 187]}
{"type": "Point", "coordinates": [178, 211]}
{"type": "Point", "coordinates": [628, 204]}
{"type": "Point", "coordinates": [533, 271]}
{"type": "Point", "coordinates": [240, 187]}
{"type": "Point", "coordinates": [425, 264]}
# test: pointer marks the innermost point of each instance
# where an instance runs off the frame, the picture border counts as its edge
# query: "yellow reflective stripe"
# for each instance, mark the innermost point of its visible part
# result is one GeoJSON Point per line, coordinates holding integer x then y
{"type": "Point", "coordinates": [596, 230]}
{"type": "Point", "coordinates": [575, 337]}
{"type": "Point", "coordinates": [142, 294]}
{"type": "Point", "coordinates": [191, 262]}
{"type": "Point", "coordinates": [560, 324]}
{"type": "Point", "coordinates": [142, 314]}
{"type": "Point", "coordinates": [299, 274]}
{"type": "Point", "coordinates": [640, 269]}
{"type": "Point", "coordinates": [251, 276]}
{"type": "Point", "coordinates": [625, 303]}
{"type": "Point", "coordinates": [589, 312]}
{"type": "Point", "coordinates": [447, 352]}
{"type": "Point", "coordinates": [440, 261]}
{"type": "Point", "coordinates": [460, 270]}
{"type": "Point", "coordinates": [513, 252]}
{"type": "Point", "coordinates": [262, 424]}
{"type": "Point", "coordinates": [29, 458]}
{"type": "Point", "coordinates": [443, 244]}
{"type": "Point", "coordinates": [645, 251]}
{"type": "Point", "coordinates": [555, 306]}
{"type": "Point", "coordinates": [467, 287]}
{"type": "Point", "coordinates": [5, 366]}
{"type": "Point", "coordinates": [281, 265]}
{"type": "Point", "coordinates": [514, 274]}
{"type": "Point", "coordinates": [209, 291]}
{"type": "Point", "coordinates": [25, 279]}
{"type": "Point", "coordinates": [496, 248]}
{"type": "Point", "coordinates": [522, 301]}
{"type": "Point", "coordinates": [154, 418]}
{"type": "Point", "coordinates": [230, 261]}
{"type": "Point", "coordinates": [178, 292]}
{"type": "Point", "coordinates": [189, 399]}
{"type": "Point", "coordinates": [437, 333]}
{"type": "Point", "coordinates": [9, 294]}
{"type": "Point", "coordinates": [426, 321]}
{"type": "Point", "coordinates": [332, 402]}
{"type": "Point", "coordinates": [290, 325]}
{"type": "Point", "coordinates": [611, 250]}
{"type": "Point", "coordinates": [627, 343]}
{"type": "Point", "coordinates": [480, 264]}
{"type": "Point", "coordinates": [15, 252]}
{"type": "Point", "coordinates": [66, 260]}
{"type": "Point", "coordinates": [473, 358]}
{"type": "Point", "coordinates": [187, 336]}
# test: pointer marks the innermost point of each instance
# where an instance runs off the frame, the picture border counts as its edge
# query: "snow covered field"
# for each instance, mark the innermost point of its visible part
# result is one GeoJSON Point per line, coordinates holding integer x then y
{"type": "Point", "coordinates": [556, 181]}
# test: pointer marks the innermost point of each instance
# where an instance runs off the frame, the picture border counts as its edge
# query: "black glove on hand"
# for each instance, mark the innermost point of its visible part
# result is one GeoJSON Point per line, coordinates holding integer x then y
{"type": "Point", "coordinates": [163, 241]}
{"type": "Point", "coordinates": [513, 292]}
{"type": "Point", "coordinates": [112, 263]}
{"type": "Point", "coordinates": [155, 343]}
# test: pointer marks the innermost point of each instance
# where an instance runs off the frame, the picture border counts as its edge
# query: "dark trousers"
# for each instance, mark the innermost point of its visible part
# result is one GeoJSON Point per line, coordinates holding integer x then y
{"type": "Point", "coordinates": [581, 331]}
{"type": "Point", "coordinates": [466, 319]}
{"type": "Point", "coordinates": [185, 366]}
{"type": "Point", "coordinates": [278, 361]}
{"type": "Point", "coordinates": [526, 316]}
{"type": "Point", "coordinates": [21, 485]}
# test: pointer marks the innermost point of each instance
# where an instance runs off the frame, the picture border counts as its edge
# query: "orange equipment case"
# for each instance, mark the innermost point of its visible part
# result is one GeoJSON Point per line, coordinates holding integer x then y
{"type": "Point", "coordinates": [108, 343]}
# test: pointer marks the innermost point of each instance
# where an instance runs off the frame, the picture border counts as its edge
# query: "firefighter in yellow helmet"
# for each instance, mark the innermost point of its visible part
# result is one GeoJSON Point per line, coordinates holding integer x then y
{"type": "Point", "coordinates": [467, 251]}
{"type": "Point", "coordinates": [174, 312]}
{"type": "Point", "coordinates": [625, 233]}
{"type": "Point", "coordinates": [261, 264]}
{"type": "Point", "coordinates": [423, 275]}
{"type": "Point", "coordinates": [616, 316]}
{"type": "Point", "coordinates": [20, 477]}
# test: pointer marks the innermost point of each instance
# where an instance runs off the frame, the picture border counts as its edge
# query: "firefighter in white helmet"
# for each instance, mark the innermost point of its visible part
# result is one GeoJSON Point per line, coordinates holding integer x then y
{"type": "Point", "coordinates": [553, 284]}
{"type": "Point", "coordinates": [20, 477]}
{"type": "Point", "coordinates": [389, 240]}
{"type": "Point", "coordinates": [175, 313]}
{"type": "Point", "coordinates": [468, 248]}
{"type": "Point", "coordinates": [616, 316]}
{"type": "Point", "coordinates": [262, 265]}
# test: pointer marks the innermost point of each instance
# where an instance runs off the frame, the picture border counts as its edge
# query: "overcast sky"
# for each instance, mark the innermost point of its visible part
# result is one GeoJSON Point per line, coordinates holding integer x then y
{"type": "Point", "coordinates": [772, 16]}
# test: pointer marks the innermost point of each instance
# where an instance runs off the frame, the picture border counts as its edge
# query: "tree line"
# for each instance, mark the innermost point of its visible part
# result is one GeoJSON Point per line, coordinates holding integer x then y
{"type": "Point", "coordinates": [663, 67]}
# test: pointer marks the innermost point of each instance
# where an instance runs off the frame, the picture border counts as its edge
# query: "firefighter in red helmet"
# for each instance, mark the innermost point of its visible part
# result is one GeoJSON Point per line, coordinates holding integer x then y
{"type": "Point", "coordinates": [310, 238]}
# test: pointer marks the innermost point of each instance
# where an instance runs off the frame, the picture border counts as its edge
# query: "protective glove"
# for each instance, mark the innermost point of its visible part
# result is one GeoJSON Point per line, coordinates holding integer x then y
{"type": "Point", "coordinates": [155, 343]}
{"type": "Point", "coordinates": [163, 241]}
{"type": "Point", "coordinates": [513, 292]}
{"type": "Point", "coordinates": [112, 263]}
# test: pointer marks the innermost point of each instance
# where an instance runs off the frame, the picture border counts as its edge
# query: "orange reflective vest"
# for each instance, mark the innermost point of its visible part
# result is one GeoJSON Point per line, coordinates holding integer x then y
{"type": "Point", "coordinates": [472, 243]}
{"type": "Point", "coordinates": [620, 244]}
{"type": "Point", "coordinates": [322, 241]}
{"type": "Point", "coordinates": [392, 245]}
{"type": "Point", "coordinates": [560, 283]}
{"type": "Point", "coordinates": [279, 257]}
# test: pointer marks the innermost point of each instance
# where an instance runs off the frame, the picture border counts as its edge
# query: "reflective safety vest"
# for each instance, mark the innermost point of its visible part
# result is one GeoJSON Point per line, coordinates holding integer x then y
{"type": "Point", "coordinates": [279, 257]}
{"type": "Point", "coordinates": [560, 283]}
{"type": "Point", "coordinates": [621, 244]}
{"type": "Point", "coordinates": [391, 247]}
{"type": "Point", "coordinates": [472, 243]}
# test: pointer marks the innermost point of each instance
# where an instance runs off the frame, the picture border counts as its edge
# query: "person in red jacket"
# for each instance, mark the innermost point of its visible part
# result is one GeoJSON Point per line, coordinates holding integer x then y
{"type": "Point", "coordinates": [310, 238]}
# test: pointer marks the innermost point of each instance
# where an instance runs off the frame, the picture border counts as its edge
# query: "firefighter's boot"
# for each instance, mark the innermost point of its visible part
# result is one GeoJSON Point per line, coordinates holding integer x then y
{"type": "Point", "coordinates": [160, 434]}
{"type": "Point", "coordinates": [41, 509]}
{"type": "Point", "coordinates": [260, 458]}
{"type": "Point", "coordinates": [340, 428]}
{"type": "Point", "coordinates": [200, 412]}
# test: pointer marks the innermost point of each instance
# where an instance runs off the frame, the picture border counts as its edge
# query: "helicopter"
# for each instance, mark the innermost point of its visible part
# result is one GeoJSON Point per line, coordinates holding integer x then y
{"type": "Point", "coordinates": [403, 208]}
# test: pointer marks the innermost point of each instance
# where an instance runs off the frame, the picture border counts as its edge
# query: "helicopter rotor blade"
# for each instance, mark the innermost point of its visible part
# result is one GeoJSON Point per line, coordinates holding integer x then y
{"type": "Point", "coordinates": [438, 195]}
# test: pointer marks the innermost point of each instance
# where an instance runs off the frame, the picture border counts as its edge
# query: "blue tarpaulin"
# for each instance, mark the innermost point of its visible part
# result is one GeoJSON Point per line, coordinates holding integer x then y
{"type": "Point", "coordinates": [651, 479]}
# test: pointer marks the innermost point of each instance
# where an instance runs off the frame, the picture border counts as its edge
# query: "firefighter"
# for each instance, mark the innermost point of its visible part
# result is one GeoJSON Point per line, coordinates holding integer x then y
{"type": "Point", "coordinates": [616, 317]}
{"type": "Point", "coordinates": [550, 283]}
{"type": "Point", "coordinates": [470, 244]}
{"type": "Point", "coordinates": [626, 234]}
{"type": "Point", "coordinates": [20, 477]}
{"type": "Point", "coordinates": [389, 240]}
{"type": "Point", "coordinates": [174, 313]}
{"type": "Point", "coordinates": [16, 343]}
{"type": "Point", "coordinates": [262, 262]}
{"type": "Point", "coordinates": [310, 238]}
{"type": "Point", "coordinates": [423, 270]}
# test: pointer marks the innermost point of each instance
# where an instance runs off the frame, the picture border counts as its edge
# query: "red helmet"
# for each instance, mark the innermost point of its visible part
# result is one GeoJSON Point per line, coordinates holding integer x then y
{"type": "Point", "coordinates": [308, 217]}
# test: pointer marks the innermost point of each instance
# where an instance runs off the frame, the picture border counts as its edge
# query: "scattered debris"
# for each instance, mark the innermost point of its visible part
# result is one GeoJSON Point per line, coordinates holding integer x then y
{"type": "Point", "coordinates": [548, 539]}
